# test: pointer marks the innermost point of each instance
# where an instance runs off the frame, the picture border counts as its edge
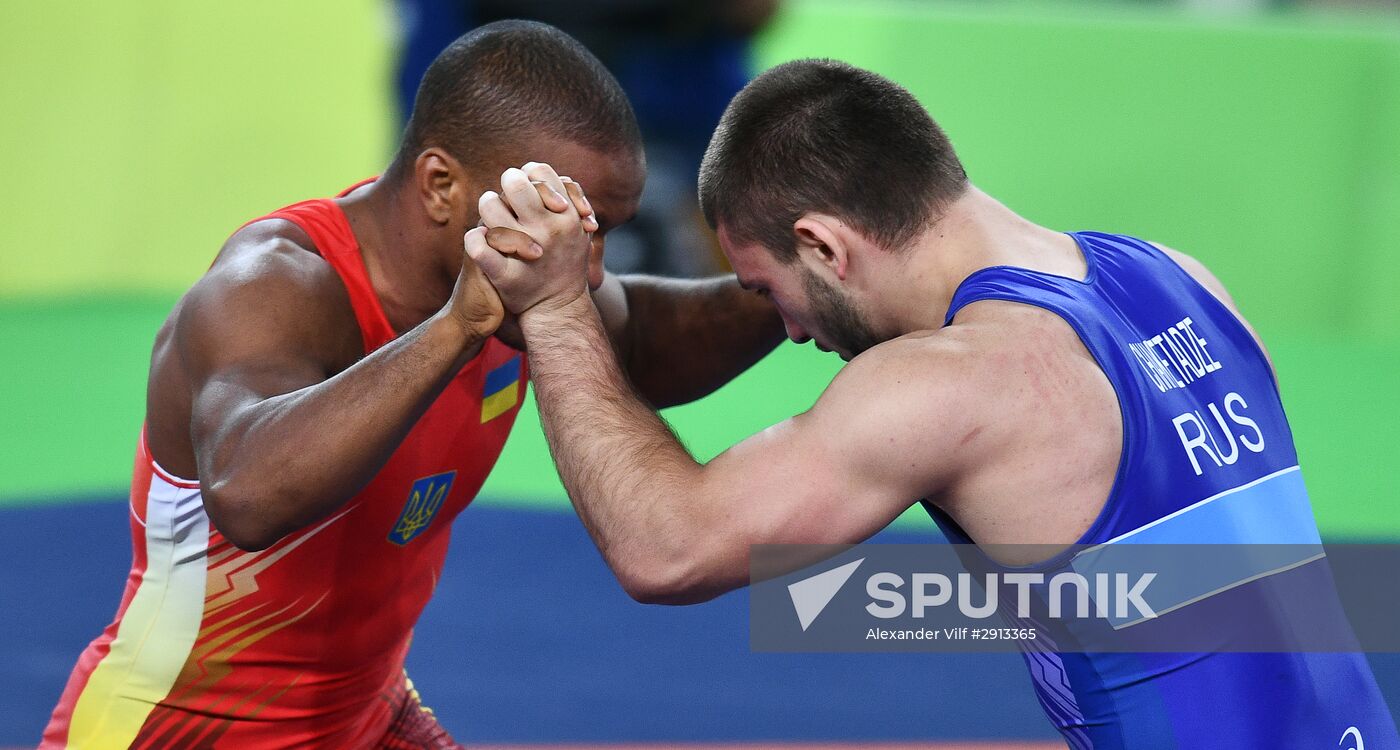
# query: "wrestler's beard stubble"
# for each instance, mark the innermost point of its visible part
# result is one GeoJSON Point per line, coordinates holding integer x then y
{"type": "Point", "coordinates": [840, 322]}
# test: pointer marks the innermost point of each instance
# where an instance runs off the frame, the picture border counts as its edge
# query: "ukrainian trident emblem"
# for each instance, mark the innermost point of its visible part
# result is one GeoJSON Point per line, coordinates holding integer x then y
{"type": "Point", "coordinates": [425, 499]}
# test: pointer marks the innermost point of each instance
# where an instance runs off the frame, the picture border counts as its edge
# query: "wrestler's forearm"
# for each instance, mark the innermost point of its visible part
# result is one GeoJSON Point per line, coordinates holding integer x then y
{"type": "Point", "coordinates": [276, 465]}
{"type": "Point", "coordinates": [686, 338]}
{"type": "Point", "coordinates": [627, 475]}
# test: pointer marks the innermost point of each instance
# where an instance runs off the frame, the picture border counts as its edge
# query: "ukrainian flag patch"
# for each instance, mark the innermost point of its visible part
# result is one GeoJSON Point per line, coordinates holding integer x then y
{"type": "Point", "coordinates": [502, 390]}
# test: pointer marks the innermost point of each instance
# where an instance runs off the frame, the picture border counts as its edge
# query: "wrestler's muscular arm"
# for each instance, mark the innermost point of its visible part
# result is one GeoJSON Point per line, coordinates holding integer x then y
{"type": "Point", "coordinates": [282, 436]}
{"type": "Point", "coordinates": [676, 531]}
{"type": "Point", "coordinates": [681, 339]}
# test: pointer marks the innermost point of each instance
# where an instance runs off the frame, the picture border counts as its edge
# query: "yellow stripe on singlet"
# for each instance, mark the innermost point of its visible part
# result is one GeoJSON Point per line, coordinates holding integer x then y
{"type": "Point", "coordinates": [158, 629]}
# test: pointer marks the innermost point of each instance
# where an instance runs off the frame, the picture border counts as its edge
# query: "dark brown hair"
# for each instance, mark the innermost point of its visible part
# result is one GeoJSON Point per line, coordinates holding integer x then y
{"type": "Point", "coordinates": [822, 135]}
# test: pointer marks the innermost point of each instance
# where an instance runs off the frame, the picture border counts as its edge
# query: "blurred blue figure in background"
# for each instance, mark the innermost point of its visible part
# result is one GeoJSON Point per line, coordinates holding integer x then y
{"type": "Point", "coordinates": [680, 63]}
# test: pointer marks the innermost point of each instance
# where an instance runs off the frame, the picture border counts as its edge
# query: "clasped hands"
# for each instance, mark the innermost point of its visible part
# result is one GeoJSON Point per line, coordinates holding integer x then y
{"type": "Point", "coordinates": [535, 242]}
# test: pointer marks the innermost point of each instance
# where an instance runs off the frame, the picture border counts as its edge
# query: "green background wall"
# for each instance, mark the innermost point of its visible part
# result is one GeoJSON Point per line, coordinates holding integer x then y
{"type": "Point", "coordinates": [138, 138]}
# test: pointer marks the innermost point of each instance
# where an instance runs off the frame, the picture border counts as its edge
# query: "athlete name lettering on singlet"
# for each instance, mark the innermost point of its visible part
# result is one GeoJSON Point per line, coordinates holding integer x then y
{"type": "Point", "coordinates": [1175, 357]}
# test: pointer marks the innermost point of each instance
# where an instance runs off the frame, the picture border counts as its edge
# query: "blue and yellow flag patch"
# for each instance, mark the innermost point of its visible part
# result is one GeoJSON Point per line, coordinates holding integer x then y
{"type": "Point", "coordinates": [502, 390]}
{"type": "Point", "coordinates": [425, 499]}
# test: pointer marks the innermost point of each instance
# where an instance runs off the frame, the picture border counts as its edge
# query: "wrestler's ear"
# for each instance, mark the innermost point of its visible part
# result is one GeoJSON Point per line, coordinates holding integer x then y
{"type": "Point", "coordinates": [442, 185]}
{"type": "Point", "coordinates": [823, 242]}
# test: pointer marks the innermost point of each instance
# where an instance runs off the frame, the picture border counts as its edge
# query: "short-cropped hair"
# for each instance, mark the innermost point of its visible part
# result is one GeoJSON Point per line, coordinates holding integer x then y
{"type": "Point", "coordinates": [509, 80]}
{"type": "Point", "coordinates": [824, 136]}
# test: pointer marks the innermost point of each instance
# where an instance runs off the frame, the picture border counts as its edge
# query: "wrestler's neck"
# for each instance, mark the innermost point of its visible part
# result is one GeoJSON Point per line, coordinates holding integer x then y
{"type": "Point", "coordinates": [974, 232]}
{"type": "Point", "coordinates": [411, 260]}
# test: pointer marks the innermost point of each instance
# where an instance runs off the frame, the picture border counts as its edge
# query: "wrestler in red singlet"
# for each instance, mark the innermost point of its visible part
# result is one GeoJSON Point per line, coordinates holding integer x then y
{"type": "Point", "coordinates": [272, 649]}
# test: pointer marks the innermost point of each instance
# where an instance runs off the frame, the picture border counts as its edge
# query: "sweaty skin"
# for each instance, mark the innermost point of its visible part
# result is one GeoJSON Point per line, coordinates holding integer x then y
{"type": "Point", "coordinates": [1002, 419]}
{"type": "Point", "coordinates": [263, 356]}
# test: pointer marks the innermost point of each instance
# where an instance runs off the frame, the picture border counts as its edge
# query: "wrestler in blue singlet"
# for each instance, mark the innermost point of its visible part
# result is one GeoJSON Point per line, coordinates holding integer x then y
{"type": "Point", "coordinates": [1208, 458]}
